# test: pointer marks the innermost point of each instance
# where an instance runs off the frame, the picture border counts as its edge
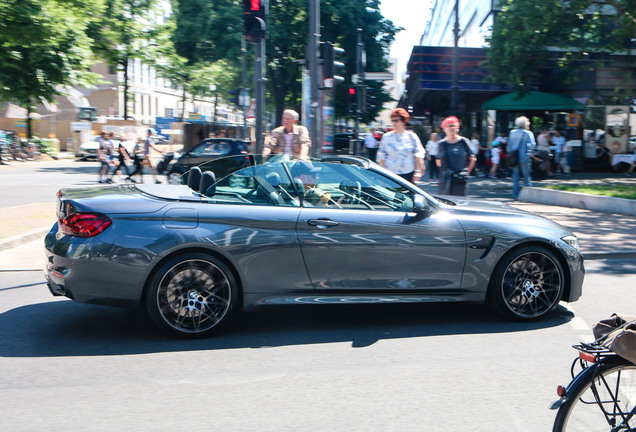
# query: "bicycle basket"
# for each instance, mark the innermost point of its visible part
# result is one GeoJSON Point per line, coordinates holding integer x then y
{"type": "Point", "coordinates": [618, 334]}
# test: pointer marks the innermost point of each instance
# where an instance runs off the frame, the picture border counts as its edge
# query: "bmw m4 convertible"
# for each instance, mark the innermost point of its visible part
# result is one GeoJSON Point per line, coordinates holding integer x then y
{"type": "Point", "coordinates": [245, 232]}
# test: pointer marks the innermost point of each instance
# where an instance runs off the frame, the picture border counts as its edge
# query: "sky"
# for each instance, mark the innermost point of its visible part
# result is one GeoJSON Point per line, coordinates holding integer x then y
{"type": "Point", "coordinates": [413, 16]}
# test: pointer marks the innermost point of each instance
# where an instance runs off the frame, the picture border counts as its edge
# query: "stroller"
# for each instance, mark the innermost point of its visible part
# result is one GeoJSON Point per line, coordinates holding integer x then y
{"type": "Point", "coordinates": [542, 165]}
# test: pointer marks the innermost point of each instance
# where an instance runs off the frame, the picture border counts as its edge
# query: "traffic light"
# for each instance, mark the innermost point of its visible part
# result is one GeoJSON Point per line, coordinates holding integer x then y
{"type": "Point", "coordinates": [368, 99]}
{"type": "Point", "coordinates": [254, 18]}
{"type": "Point", "coordinates": [235, 96]}
{"type": "Point", "coordinates": [352, 101]}
{"type": "Point", "coordinates": [330, 63]}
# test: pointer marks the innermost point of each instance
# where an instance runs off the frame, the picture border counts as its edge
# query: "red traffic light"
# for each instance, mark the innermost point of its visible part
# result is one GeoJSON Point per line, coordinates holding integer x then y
{"type": "Point", "coordinates": [255, 5]}
{"type": "Point", "coordinates": [352, 90]}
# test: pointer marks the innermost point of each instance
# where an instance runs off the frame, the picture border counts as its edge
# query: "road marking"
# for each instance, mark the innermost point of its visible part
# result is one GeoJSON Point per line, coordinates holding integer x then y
{"type": "Point", "coordinates": [577, 322]}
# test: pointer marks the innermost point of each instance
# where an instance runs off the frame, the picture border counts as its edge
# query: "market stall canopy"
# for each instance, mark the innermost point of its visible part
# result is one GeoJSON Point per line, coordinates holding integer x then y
{"type": "Point", "coordinates": [516, 101]}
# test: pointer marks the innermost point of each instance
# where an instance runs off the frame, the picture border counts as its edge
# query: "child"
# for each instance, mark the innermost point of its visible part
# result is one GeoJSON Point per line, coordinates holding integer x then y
{"type": "Point", "coordinates": [495, 156]}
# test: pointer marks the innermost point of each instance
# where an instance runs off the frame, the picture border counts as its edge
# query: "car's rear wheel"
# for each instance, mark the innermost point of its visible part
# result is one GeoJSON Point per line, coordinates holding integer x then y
{"type": "Point", "coordinates": [527, 284]}
{"type": "Point", "coordinates": [192, 295]}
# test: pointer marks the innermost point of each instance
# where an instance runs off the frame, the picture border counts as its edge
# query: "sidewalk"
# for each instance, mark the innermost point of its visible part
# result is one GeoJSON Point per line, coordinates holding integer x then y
{"type": "Point", "coordinates": [599, 233]}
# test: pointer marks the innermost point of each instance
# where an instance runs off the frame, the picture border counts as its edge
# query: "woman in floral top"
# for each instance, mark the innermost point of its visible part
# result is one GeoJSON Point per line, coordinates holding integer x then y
{"type": "Point", "coordinates": [400, 150]}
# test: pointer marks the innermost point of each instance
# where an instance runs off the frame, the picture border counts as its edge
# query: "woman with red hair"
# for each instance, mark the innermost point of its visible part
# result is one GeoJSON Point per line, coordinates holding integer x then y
{"type": "Point", "coordinates": [455, 159]}
{"type": "Point", "coordinates": [400, 150]}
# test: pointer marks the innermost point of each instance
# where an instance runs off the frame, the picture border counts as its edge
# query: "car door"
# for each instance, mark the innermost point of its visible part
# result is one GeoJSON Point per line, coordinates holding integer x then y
{"type": "Point", "coordinates": [370, 241]}
{"type": "Point", "coordinates": [254, 220]}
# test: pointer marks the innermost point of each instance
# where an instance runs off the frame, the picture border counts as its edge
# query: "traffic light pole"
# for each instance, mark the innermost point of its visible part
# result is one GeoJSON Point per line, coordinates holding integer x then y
{"type": "Point", "coordinates": [243, 90]}
{"type": "Point", "coordinates": [259, 68]}
{"type": "Point", "coordinates": [357, 86]}
{"type": "Point", "coordinates": [313, 63]}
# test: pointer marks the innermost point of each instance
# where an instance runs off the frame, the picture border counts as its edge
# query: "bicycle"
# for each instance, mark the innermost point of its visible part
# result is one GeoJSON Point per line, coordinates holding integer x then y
{"type": "Point", "coordinates": [602, 395]}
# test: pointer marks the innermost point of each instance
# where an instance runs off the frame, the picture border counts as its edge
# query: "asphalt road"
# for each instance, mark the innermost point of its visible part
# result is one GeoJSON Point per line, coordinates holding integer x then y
{"type": "Point", "coordinates": [434, 367]}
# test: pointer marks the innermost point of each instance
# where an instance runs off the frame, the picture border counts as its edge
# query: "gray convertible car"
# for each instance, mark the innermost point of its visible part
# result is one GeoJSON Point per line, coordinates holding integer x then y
{"type": "Point", "coordinates": [243, 232]}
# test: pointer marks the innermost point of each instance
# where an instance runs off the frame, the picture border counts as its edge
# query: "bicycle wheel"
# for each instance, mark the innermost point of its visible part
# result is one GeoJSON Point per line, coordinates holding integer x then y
{"type": "Point", "coordinates": [601, 401]}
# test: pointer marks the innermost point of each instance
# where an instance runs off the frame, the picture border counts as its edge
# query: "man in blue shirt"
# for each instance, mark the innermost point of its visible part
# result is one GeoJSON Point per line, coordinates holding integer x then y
{"type": "Point", "coordinates": [522, 140]}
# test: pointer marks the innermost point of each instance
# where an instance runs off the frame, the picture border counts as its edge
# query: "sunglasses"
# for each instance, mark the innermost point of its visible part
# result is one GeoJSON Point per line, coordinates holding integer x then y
{"type": "Point", "coordinates": [397, 120]}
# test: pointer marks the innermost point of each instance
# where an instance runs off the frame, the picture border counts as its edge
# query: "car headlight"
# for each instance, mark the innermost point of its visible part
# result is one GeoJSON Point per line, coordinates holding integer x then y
{"type": "Point", "coordinates": [572, 240]}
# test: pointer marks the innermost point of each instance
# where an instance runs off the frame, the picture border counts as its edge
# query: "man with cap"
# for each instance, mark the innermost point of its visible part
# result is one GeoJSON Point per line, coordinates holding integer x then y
{"type": "Point", "coordinates": [307, 173]}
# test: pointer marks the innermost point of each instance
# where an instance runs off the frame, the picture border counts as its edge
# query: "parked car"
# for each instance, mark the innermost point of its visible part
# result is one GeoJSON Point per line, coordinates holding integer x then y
{"type": "Point", "coordinates": [206, 150]}
{"type": "Point", "coordinates": [341, 230]}
{"type": "Point", "coordinates": [88, 149]}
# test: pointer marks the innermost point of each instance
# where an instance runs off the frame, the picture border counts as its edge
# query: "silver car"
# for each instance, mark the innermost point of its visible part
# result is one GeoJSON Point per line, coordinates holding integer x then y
{"type": "Point", "coordinates": [340, 230]}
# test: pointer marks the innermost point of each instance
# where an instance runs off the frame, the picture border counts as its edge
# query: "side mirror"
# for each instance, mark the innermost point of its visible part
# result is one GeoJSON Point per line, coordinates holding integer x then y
{"type": "Point", "coordinates": [420, 205]}
{"type": "Point", "coordinates": [421, 209]}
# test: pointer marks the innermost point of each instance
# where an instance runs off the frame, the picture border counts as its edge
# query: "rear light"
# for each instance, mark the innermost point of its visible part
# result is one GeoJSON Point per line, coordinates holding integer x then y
{"type": "Point", "coordinates": [590, 358]}
{"type": "Point", "coordinates": [84, 224]}
{"type": "Point", "coordinates": [561, 391]}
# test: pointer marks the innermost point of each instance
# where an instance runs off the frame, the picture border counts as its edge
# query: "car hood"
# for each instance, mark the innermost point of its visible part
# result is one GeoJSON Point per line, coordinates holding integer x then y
{"type": "Point", "coordinates": [127, 199]}
{"type": "Point", "coordinates": [465, 208]}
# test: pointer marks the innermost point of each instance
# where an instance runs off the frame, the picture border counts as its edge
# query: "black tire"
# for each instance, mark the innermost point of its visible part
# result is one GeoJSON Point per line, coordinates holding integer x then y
{"type": "Point", "coordinates": [580, 412]}
{"type": "Point", "coordinates": [527, 284]}
{"type": "Point", "coordinates": [192, 295]}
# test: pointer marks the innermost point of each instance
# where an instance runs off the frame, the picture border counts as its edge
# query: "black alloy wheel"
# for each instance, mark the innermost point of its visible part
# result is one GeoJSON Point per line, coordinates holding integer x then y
{"type": "Point", "coordinates": [527, 284]}
{"type": "Point", "coordinates": [192, 295]}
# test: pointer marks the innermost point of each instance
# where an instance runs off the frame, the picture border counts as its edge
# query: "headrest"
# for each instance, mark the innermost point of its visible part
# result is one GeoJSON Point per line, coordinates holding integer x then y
{"type": "Point", "coordinates": [206, 185]}
{"type": "Point", "coordinates": [273, 179]}
{"type": "Point", "coordinates": [194, 178]}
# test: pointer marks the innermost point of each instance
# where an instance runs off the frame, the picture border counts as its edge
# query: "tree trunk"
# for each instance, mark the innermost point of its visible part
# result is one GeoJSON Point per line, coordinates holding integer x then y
{"type": "Point", "coordinates": [125, 67]}
{"type": "Point", "coordinates": [183, 102]}
{"type": "Point", "coordinates": [28, 120]}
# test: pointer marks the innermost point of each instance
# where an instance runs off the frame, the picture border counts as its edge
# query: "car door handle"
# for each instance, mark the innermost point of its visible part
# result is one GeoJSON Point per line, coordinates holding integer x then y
{"type": "Point", "coordinates": [322, 223]}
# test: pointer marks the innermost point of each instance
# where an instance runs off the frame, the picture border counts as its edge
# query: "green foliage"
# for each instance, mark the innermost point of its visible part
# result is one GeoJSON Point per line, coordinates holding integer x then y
{"type": "Point", "coordinates": [43, 46]}
{"type": "Point", "coordinates": [208, 30]}
{"type": "Point", "coordinates": [525, 31]}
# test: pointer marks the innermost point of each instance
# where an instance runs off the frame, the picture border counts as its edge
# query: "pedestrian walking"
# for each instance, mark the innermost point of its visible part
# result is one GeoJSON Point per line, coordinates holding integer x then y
{"type": "Point", "coordinates": [104, 152]}
{"type": "Point", "coordinates": [289, 138]}
{"type": "Point", "coordinates": [495, 159]}
{"type": "Point", "coordinates": [431, 157]}
{"type": "Point", "coordinates": [559, 151]}
{"type": "Point", "coordinates": [401, 151]}
{"type": "Point", "coordinates": [521, 143]}
{"type": "Point", "coordinates": [122, 158]}
{"type": "Point", "coordinates": [143, 153]}
{"type": "Point", "coordinates": [455, 159]}
{"type": "Point", "coordinates": [371, 143]}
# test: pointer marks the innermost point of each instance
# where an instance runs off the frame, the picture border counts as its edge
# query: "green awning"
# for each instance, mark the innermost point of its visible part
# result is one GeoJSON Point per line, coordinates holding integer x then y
{"type": "Point", "coordinates": [532, 101]}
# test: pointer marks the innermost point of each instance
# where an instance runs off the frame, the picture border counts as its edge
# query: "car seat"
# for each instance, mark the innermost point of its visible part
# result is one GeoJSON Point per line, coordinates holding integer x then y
{"type": "Point", "coordinates": [194, 178]}
{"type": "Point", "coordinates": [207, 184]}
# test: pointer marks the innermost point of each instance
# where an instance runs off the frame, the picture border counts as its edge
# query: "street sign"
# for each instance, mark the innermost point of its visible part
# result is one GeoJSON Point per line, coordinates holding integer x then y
{"type": "Point", "coordinates": [378, 76]}
{"type": "Point", "coordinates": [81, 126]}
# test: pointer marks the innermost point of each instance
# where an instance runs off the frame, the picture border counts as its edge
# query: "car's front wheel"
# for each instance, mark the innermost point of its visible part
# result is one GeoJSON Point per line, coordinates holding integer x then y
{"type": "Point", "coordinates": [192, 295]}
{"type": "Point", "coordinates": [527, 284]}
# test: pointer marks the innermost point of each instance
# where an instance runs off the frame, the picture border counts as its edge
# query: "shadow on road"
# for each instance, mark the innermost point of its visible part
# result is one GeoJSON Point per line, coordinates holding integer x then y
{"type": "Point", "coordinates": [66, 328]}
{"type": "Point", "coordinates": [89, 167]}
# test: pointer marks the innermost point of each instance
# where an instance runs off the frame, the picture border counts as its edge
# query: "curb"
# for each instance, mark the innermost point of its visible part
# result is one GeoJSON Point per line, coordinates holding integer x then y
{"type": "Point", "coordinates": [578, 200]}
{"type": "Point", "coordinates": [599, 256]}
{"type": "Point", "coordinates": [15, 241]}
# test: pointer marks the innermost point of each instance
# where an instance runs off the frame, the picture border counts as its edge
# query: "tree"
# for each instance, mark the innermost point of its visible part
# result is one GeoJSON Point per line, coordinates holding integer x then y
{"type": "Point", "coordinates": [287, 41]}
{"type": "Point", "coordinates": [43, 47]}
{"type": "Point", "coordinates": [122, 32]}
{"type": "Point", "coordinates": [211, 29]}
{"type": "Point", "coordinates": [527, 33]}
